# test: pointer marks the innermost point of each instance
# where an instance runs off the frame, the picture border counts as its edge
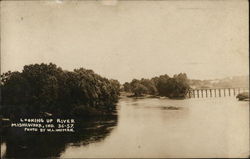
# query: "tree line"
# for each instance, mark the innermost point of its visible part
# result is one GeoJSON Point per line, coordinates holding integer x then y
{"type": "Point", "coordinates": [228, 82]}
{"type": "Point", "coordinates": [164, 85]}
{"type": "Point", "coordinates": [46, 88]}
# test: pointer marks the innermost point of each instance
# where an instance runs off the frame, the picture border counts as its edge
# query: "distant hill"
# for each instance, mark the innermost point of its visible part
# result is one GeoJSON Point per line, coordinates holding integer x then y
{"type": "Point", "coordinates": [235, 81]}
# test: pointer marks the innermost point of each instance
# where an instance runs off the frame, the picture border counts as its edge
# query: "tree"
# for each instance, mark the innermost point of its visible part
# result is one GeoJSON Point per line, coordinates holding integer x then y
{"type": "Point", "coordinates": [149, 84]}
{"type": "Point", "coordinates": [175, 87]}
{"type": "Point", "coordinates": [47, 88]}
{"type": "Point", "coordinates": [127, 87]}
{"type": "Point", "coordinates": [139, 90]}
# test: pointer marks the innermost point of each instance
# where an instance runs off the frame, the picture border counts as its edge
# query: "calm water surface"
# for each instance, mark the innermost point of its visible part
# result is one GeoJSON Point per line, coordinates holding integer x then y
{"type": "Point", "coordinates": [211, 127]}
{"type": "Point", "coordinates": [208, 127]}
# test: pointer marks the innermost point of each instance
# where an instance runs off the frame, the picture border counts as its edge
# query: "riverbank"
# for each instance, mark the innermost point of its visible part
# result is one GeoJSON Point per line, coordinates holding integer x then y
{"type": "Point", "coordinates": [143, 96]}
{"type": "Point", "coordinates": [244, 96]}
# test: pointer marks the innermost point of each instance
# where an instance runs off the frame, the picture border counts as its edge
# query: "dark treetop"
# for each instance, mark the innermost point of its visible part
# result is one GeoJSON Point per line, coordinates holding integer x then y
{"type": "Point", "coordinates": [47, 89]}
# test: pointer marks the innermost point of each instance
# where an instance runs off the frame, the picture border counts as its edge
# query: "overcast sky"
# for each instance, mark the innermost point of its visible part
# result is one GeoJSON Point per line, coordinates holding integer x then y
{"type": "Point", "coordinates": [128, 39]}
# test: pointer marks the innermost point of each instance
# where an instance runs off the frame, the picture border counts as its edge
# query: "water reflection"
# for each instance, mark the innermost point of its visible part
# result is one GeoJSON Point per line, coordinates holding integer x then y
{"type": "Point", "coordinates": [27, 145]}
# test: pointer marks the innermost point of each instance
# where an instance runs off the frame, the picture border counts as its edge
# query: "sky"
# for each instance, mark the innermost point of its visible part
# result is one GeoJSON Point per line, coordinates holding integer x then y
{"type": "Point", "coordinates": [128, 39]}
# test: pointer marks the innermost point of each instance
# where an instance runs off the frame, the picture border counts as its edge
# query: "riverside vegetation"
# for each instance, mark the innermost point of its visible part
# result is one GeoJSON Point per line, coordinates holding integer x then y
{"type": "Point", "coordinates": [164, 85]}
{"type": "Point", "coordinates": [42, 89]}
{"type": "Point", "coordinates": [47, 90]}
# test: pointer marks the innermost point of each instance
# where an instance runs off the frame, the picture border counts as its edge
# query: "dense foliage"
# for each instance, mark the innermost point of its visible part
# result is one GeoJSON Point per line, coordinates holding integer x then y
{"type": "Point", "coordinates": [41, 88]}
{"type": "Point", "coordinates": [175, 87]}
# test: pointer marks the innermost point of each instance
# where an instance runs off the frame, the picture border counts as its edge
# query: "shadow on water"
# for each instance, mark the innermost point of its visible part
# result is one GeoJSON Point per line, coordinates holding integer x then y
{"type": "Point", "coordinates": [26, 145]}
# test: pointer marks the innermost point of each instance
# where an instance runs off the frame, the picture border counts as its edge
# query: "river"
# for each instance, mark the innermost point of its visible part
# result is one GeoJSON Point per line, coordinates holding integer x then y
{"type": "Point", "coordinates": [198, 127]}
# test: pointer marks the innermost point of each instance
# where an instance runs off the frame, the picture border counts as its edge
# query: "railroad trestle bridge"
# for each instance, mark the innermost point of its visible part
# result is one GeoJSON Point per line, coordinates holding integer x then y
{"type": "Point", "coordinates": [215, 92]}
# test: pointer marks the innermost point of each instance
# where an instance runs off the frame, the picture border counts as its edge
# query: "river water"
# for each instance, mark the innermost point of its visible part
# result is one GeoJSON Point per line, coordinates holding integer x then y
{"type": "Point", "coordinates": [202, 127]}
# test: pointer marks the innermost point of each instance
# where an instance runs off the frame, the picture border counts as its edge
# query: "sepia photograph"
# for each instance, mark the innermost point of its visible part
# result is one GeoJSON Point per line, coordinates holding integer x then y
{"type": "Point", "coordinates": [124, 79]}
